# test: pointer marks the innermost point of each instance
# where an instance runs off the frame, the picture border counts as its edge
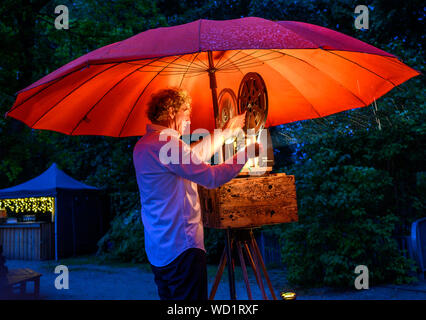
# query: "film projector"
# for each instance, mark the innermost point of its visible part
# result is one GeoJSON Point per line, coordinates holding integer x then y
{"type": "Point", "coordinates": [256, 197]}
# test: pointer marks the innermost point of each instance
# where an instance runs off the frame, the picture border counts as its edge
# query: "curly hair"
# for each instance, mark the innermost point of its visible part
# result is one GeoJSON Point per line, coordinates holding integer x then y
{"type": "Point", "coordinates": [162, 100]}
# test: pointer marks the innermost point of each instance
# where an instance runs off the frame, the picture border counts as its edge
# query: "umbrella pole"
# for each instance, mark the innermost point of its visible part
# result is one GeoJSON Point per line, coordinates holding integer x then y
{"type": "Point", "coordinates": [213, 87]}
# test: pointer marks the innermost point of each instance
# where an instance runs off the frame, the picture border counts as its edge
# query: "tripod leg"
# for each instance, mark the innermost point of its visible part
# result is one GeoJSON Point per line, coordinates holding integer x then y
{"type": "Point", "coordinates": [244, 269]}
{"type": "Point", "coordinates": [218, 275]}
{"type": "Point", "coordinates": [250, 258]}
{"type": "Point", "coordinates": [231, 274]}
{"type": "Point", "coordinates": [262, 264]}
{"type": "Point", "coordinates": [255, 270]}
{"type": "Point", "coordinates": [262, 288]}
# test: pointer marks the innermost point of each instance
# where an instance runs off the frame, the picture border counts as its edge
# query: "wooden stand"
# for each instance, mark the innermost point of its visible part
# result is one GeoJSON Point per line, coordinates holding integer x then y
{"type": "Point", "coordinates": [242, 239]}
{"type": "Point", "coordinates": [240, 205]}
{"type": "Point", "coordinates": [250, 201]}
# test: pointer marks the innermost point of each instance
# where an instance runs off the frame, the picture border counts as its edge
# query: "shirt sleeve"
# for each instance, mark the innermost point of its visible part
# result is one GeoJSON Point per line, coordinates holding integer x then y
{"type": "Point", "coordinates": [191, 167]}
{"type": "Point", "coordinates": [203, 148]}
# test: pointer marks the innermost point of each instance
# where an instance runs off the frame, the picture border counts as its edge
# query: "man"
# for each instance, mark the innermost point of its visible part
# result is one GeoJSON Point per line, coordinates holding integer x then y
{"type": "Point", "coordinates": [171, 213]}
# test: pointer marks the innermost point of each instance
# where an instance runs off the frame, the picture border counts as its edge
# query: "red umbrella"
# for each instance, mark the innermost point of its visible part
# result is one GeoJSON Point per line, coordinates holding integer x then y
{"type": "Point", "coordinates": [309, 72]}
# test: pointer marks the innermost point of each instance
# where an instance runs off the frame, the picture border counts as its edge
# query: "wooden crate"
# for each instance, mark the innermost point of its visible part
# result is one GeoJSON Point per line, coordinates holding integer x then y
{"type": "Point", "coordinates": [250, 201]}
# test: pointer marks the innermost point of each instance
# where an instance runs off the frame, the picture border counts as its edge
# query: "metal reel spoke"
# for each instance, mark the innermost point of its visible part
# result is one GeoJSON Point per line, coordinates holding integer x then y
{"type": "Point", "coordinates": [227, 106]}
{"type": "Point", "coordinates": [253, 98]}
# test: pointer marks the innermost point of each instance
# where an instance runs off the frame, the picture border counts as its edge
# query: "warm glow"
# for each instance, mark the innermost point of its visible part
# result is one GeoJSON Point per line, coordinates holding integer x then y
{"type": "Point", "coordinates": [288, 295]}
{"type": "Point", "coordinates": [23, 205]}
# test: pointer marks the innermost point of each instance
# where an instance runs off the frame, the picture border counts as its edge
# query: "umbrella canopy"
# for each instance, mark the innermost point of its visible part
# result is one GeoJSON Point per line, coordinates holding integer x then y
{"type": "Point", "coordinates": [309, 72]}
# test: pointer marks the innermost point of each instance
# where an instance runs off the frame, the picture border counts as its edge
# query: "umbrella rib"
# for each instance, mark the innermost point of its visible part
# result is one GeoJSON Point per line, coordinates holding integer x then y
{"type": "Point", "coordinates": [247, 62]}
{"type": "Point", "coordinates": [52, 82]}
{"type": "Point", "coordinates": [203, 63]}
{"type": "Point", "coordinates": [249, 57]}
{"type": "Point", "coordinates": [251, 64]}
{"type": "Point", "coordinates": [236, 67]}
{"type": "Point", "coordinates": [195, 74]}
{"type": "Point", "coordinates": [69, 93]}
{"type": "Point", "coordinates": [183, 77]}
{"type": "Point", "coordinates": [261, 60]}
{"type": "Point", "coordinates": [172, 68]}
{"type": "Point", "coordinates": [172, 72]}
{"type": "Point", "coordinates": [177, 68]}
{"type": "Point", "coordinates": [353, 94]}
{"type": "Point", "coordinates": [228, 59]}
{"type": "Point", "coordinates": [178, 73]}
{"type": "Point", "coordinates": [312, 106]}
{"type": "Point", "coordinates": [219, 68]}
{"type": "Point", "coordinates": [244, 59]}
{"type": "Point", "coordinates": [109, 90]}
{"type": "Point", "coordinates": [177, 65]}
{"type": "Point", "coordinates": [398, 62]}
{"type": "Point", "coordinates": [360, 66]}
{"type": "Point", "coordinates": [201, 66]}
{"type": "Point", "coordinates": [217, 63]}
{"type": "Point", "coordinates": [140, 95]}
{"type": "Point", "coordinates": [246, 65]}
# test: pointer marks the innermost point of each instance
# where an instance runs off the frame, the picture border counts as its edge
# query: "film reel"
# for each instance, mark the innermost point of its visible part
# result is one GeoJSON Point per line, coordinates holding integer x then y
{"type": "Point", "coordinates": [253, 98]}
{"type": "Point", "coordinates": [227, 106]}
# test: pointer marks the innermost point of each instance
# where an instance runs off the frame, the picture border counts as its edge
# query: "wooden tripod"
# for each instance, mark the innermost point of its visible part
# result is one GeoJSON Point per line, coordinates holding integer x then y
{"type": "Point", "coordinates": [239, 239]}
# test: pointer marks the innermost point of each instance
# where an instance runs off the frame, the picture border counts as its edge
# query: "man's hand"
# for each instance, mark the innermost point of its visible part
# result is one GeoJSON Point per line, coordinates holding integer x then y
{"type": "Point", "coordinates": [235, 124]}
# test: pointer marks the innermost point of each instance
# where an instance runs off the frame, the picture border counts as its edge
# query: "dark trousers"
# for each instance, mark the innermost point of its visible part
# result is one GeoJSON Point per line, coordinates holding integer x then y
{"type": "Point", "coordinates": [185, 278]}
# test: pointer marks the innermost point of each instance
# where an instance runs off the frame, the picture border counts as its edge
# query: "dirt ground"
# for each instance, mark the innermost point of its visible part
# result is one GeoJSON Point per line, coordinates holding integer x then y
{"type": "Point", "coordinates": [91, 280]}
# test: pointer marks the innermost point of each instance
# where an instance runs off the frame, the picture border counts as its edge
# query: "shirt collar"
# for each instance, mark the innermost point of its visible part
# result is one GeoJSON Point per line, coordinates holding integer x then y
{"type": "Point", "coordinates": [151, 127]}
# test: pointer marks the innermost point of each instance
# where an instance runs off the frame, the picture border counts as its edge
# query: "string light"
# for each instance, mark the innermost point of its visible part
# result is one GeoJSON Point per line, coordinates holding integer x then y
{"type": "Point", "coordinates": [23, 205]}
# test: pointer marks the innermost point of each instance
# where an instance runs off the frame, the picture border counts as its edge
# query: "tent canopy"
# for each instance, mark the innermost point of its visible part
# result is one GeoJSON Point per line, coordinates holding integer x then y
{"type": "Point", "coordinates": [44, 185]}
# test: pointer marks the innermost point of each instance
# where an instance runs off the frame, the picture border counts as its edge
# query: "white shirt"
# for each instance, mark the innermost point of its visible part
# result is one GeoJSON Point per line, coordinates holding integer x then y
{"type": "Point", "coordinates": [171, 211]}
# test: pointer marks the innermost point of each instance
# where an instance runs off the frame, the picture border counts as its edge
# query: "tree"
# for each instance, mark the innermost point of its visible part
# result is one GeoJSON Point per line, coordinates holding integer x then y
{"type": "Point", "coordinates": [360, 174]}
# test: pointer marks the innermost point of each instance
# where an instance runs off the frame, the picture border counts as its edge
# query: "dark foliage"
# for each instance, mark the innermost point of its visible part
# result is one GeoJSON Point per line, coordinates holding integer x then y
{"type": "Point", "coordinates": [360, 174]}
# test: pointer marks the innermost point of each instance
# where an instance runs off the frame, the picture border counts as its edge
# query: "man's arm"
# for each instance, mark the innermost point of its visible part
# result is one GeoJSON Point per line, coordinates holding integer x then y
{"type": "Point", "coordinates": [206, 175]}
{"type": "Point", "coordinates": [211, 143]}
